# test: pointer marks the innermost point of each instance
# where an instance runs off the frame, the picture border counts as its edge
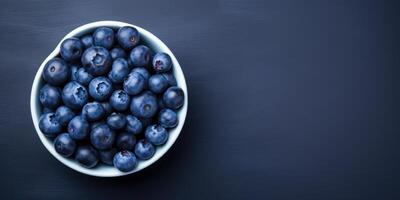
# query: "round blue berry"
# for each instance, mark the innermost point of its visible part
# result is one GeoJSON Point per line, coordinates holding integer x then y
{"type": "Point", "coordinates": [71, 49]}
{"type": "Point", "coordinates": [125, 161]}
{"type": "Point", "coordinates": [64, 145]}
{"type": "Point", "coordinates": [96, 60]}
{"type": "Point", "coordinates": [128, 37]}
{"type": "Point", "coordinates": [158, 83]}
{"type": "Point", "coordinates": [87, 156]}
{"type": "Point", "coordinates": [144, 105]}
{"type": "Point", "coordinates": [167, 118]}
{"type": "Point", "coordinates": [93, 111]}
{"type": "Point", "coordinates": [56, 72]}
{"type": "Point", "coordinates": [173, 98]}
{"type": "Point", "coordinates": [50, 96]}
{"type": "Point", "coordinates": [144, 150]}
{"type": "Point", "coordinates": [162, 62]}
{"type": "Point", "coordinates": [49, 125]}
{"type": "Point", "coordinates": [156, 134]}
{"type": "Point", "coordinates": [100, 88]}
{"type": "Point", "coordinates": [74, 95]}
{"type": "Point", "coordinates": [116, 121]}
{"type": "Point", "coordinates": [120, 100]}
{"type": "Point", "coordinates": [102, 137]}
{"type": "Point", "coordinates": [104, 37]}
{"type": "Point", "coordinates": [78, 128]}
{"type": "Point", "coordinates": [140, 56]}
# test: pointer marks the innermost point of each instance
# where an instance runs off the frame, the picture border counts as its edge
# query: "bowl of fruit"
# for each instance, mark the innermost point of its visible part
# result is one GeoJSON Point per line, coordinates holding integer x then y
{"type": "Point", "coordinates": [110, 100]}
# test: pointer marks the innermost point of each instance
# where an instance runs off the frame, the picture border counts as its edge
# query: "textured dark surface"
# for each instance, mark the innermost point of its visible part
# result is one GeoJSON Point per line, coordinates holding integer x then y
{"type": "Point", "coordinates": [287, 99]}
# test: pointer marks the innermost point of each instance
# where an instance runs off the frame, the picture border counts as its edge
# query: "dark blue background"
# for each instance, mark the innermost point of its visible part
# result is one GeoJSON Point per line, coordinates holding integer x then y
{"type": "Point", "coordinates": [287, 99]}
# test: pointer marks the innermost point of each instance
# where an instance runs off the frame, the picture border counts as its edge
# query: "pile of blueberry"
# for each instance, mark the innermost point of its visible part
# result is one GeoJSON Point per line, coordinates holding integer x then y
{"type": "Point", "coordinates": [109, 98]}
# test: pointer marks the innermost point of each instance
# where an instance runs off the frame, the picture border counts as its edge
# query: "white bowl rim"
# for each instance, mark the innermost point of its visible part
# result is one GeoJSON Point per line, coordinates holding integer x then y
{"type": "Point", "coordinates": [103, 170]}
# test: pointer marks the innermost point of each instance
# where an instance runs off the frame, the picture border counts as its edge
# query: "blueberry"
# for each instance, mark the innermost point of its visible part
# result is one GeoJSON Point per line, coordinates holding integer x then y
{"type": "Point", "coordinates": [49, 125]}
{"type": "Point", "coordinates": [144, 150]}
{"type": "Point", "coordinates": [133, 125]}
{"type": "Point", "coordinates": [156, 134]}
{"type": "Point", "coordinates": [116, 121]}
{"type": "Point", "coordinates": [49, 96]}
{"type": "Point", "coordinates": [64, 115]}
{"type": "Point", "coordinates": [119, 71]}
{"type": "Point", "coordinates": [140, 55]}
{"type": "Point", "coordinates": [117, 53]}
{"type": "Point", "coordinates": [158, 83]}
{"type": "Point", "coordinates": [144, 105]}
{"type": "Point", "coordinates": [107, 108]}
{"type": "Point", "coordinates": [87, 41]}
{"type": "Point", "coordinates": [71, 49]}
{"type": "Point", "coordinates": [173, 98]}
{"type": "Point", "coordinates": [170, 78]}
{"type": "Point", "coordinates": [100, 88]}
{"type": "Point", "coordinates": [120, 100]}
{"type": "Point", "coordinates": [93, 111]}
{"type": "Point", "coordinates": [126, 141]}
{"type": "Point", "coordinates": [167, 118]}
{"type": "Point", "coordinates": [104, 37]}
{"type": "Point", "coordinates": [83, 77]}
{"type": "Point", "coordinates": [128, 37]}
{"type": "Point", "coordinates": [125, 161]}
{"type": "Point", "coordinates": [106, 156]}
{"type": "Point", "coordinates": [64, 145]}
{"type": "Point", "coordinates": [162, 62]}
{"type": "Point", "coordinates": [134, 83]}
{"type": "Point", "coordinates": [74, 95]}
{"type": "Point", "coordinates": [102, 137]}
{"type": "Point", "coordinates": [87, 156]}
{"type": "Point", "coordinates": [96, 60]}
{"type": "Point", "coordinates": [56, 72]}
{"type": "Point", "coordinates": [78, 128]}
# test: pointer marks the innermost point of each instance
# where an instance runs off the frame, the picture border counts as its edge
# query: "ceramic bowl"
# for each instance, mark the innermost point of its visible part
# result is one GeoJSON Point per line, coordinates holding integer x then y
{"type": "Point", "coordinates": [103, 170]}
